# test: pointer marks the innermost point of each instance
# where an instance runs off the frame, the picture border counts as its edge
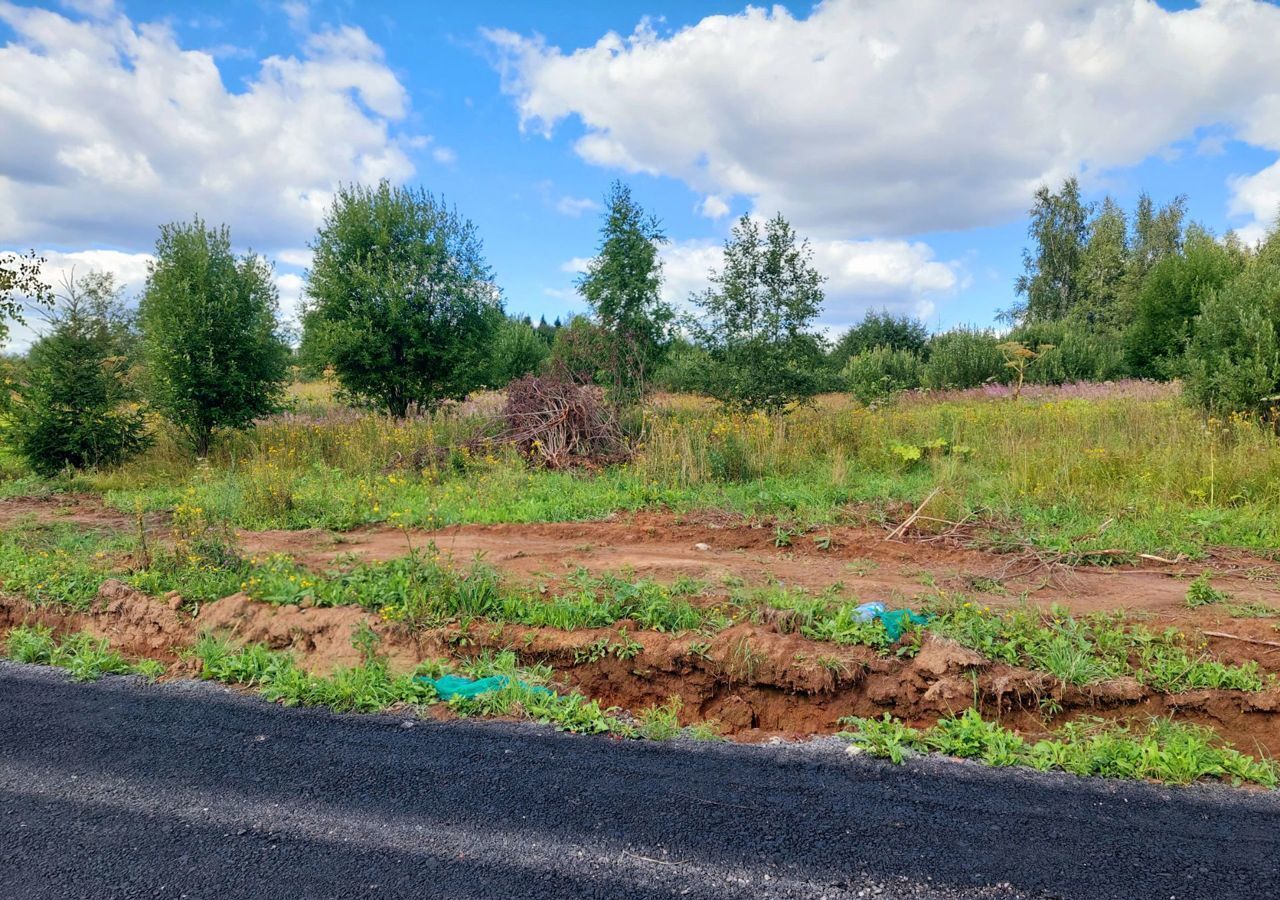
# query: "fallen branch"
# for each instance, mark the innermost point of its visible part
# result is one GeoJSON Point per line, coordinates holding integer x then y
{"type": "Point", "coordinates": [902, 529]}
{"type": "Point", "coordinates": [1236, 637]}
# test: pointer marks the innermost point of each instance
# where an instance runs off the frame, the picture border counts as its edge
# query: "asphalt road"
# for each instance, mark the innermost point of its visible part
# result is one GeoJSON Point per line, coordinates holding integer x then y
{"type": "Point", "coordinates": [119, 789]}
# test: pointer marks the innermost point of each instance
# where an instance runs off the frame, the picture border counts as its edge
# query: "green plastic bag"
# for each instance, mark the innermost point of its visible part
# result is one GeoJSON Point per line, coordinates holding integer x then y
{"type": "Point", "coordinates": [451, 686]}
{"type": "Point", "coordinates": [896, 621]}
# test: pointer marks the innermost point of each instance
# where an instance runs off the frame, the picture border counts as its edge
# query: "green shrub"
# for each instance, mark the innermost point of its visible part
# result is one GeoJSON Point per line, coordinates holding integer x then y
{"type": "Point", "coordinates": [517, 351]}
{"type": "Point", "coordinates": [683, 369]}
{"type": "Point", "coordinates": [881, 372]}
{"type": "Point", "coordinates": [1170, 297]}
{"type": "Point", "coordinates": [880, 329]}
{"type": "Point", "coordinates": [1233, 359]}
{"type": "Point", "coordinates": [1071, 352]}
{"type": "Point", "coordinates": [963, 358]}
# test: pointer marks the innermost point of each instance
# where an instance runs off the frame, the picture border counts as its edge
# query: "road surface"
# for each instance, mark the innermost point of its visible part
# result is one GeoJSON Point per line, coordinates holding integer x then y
{"type": "Point", "coordinates": [121, 789]}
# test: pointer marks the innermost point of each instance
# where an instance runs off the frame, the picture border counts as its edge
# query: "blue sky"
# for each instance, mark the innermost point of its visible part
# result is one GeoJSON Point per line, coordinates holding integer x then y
{"type": "Point", "coordinates": [904, 139]}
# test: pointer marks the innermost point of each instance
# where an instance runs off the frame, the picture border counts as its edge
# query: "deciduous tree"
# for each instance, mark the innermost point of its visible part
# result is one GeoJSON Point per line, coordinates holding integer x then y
{"type": "Point", "coordinates": [215, 357]}
{"type": "Point", "coordinates": [758, 316]}
{"type": "Point", "coordinates": [405, 304]}
{"type": "Point", "coordinates": [623, 285]}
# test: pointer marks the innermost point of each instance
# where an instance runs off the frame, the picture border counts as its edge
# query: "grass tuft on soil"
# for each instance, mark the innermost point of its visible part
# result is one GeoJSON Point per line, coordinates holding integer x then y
{"type": "Point", "coordinates": [63, 566]}
{"type": "Point", "coordinates": [370, 686]}
{"type": "Point", "coordinates": [1165, 751]}
{"type": "Point", "coordinates": [85, 657]}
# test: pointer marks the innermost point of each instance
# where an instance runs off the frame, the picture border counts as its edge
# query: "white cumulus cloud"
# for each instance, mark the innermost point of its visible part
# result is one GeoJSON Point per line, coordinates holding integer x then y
{"type": "Point", "coordinates": [713, 207]}
{"type": "Point", "coordinates": [575, 206]}
{"type": "Point", "coordinates": [901, 276]}
{"type": "Point", "coordinates": [111, 127]}
{"type": "Point", "coordinates": [877, 117]}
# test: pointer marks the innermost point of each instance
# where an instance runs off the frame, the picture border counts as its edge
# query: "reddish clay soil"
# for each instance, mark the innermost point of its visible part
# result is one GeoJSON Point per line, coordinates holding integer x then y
{"type": "Point", "coordinates": [714, 549]}
{"type": "Point", "coordinates": [751, 679]}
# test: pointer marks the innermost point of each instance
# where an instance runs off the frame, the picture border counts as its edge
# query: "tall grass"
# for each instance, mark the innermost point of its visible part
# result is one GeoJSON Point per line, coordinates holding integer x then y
{"type": "Point", "coordinates": [1127, 466]}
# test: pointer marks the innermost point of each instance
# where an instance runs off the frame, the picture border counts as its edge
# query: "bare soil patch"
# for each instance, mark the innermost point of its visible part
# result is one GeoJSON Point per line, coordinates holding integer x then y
{"type": "Point", "coordinates": [716, 548]}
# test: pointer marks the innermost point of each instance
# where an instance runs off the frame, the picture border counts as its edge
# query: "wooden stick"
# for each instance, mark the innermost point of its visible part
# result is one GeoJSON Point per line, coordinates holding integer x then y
{"type": "Point", "coordinates": [901, 529]}
{"type": "Point", "coordinates": [1236, 637]}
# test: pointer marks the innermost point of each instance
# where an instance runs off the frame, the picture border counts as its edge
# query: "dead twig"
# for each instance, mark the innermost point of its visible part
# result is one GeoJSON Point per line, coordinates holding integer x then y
{"type": "Point", "coordinates": [1245, 640]}
{"type": "Point", "coordinates": [907, 523]}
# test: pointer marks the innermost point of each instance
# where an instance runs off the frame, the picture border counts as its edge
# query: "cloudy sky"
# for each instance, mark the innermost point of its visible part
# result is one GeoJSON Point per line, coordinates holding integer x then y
{"type": "Point", "coordinates": [904, 139]}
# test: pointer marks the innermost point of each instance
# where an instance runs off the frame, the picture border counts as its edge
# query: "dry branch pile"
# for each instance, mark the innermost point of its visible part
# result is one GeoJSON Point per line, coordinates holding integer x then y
{"type": "Point", "coordinates": [557, 424]}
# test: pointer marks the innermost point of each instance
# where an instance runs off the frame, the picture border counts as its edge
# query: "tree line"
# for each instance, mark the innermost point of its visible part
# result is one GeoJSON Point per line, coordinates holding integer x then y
{"type": "Point", "coordinates": [402, 309]}
{"type": "Point", "coordinates": [1105, 294]}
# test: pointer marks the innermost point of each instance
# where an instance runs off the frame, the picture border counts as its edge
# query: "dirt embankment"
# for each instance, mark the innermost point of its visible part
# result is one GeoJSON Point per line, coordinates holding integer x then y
{"type": "Point", "coordinates": [753, 681]}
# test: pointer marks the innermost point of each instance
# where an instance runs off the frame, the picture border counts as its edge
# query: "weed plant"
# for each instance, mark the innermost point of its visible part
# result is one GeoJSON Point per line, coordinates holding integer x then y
{"type": "Point", "coordinates": [661, 722]}
{"type": "Point", "coordinates": [65, 567]}
{"type": "Point", "coordinates": [84, 656]}
{"type": "Point", "coordinates": [370, 687]}
{"type": "Point", "coordinates": [1165, 751]}
{"type": "Point", "coordinates": [1089, 649]}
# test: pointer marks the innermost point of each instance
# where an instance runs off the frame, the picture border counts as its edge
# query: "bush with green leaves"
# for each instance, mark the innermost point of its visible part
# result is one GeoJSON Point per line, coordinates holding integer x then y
{"type": "Point", "coordinates": [215, 356]}
{"type": "Point", "coordinates": [579, 352]}
{"type": "Point", "coordinates": [75, 407]}
{"type": "Point", "coordinates": [1171, 297]}
{"type": "Point", "coordinates": [882, 372]}
{"type": "Point", "coordinates": [1071, 351]}
{"type": "Point", "coordinates": [757, 319]}
{"type": "Point", "coordinates": [683, 369]}
{"type": "Point", "coordinates": [1233, 358]}
{"type": "Point", "coordinates": [880, 329]}
{"type": "Point", "coordinates": [401, 298]}
{"type": "Point", "coordinates": [518, 350]}
{"type": "Point", "coordinates": [963, 358]}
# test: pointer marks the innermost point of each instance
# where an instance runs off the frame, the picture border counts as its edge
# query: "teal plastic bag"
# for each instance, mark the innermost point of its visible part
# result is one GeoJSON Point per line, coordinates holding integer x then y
{"type": "Point", "coordinates": [451, 686]}
{"type": "Point", "coordinates": [896, 621]}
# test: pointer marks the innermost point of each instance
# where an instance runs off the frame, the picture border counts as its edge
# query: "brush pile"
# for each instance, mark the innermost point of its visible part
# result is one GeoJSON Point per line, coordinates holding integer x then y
{"type": "Point", "coordinates": [556, 423]}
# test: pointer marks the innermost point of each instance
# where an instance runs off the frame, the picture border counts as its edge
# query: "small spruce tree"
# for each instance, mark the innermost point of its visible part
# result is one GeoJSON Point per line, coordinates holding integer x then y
{"type": "Point", "coordinates": [75, 407]}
